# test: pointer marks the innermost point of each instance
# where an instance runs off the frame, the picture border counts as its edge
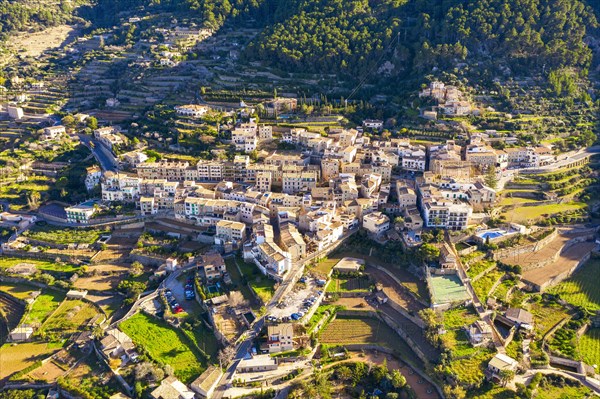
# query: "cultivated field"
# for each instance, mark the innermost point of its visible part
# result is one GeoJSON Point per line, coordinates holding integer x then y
{"type": "Point", "coordinates": [165, 345]}
{"type": "Point", "coordinates": [43, 265]}
{"type": "Point", "coordinates": [14, 358]}
{"type": "Point", "coordinates": [546, 316]}
{"type": "Point", "coordinates": [70, 317]}
{"type": "Point", "coordinates": [43, 306]}
{"type": "Point", "coordinates": [64, 235]}
{"type": "Point", "coordinates": [523, 214]}
{"type": "Point", "coordinates": [353, 284]}
{"type": "Point", "coordinates": [346, 330]}
{"type": "Point", "coordinates": [589, 347]}
{"type": "Point", "coordinates": [582, 288]}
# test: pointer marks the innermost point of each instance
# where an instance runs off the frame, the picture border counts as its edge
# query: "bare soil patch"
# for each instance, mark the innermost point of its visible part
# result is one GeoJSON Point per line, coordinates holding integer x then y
{"type": "Point", "coordinates": [35, 44]}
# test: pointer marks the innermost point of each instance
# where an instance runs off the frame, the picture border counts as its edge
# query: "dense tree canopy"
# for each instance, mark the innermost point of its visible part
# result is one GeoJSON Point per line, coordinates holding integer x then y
{"type": "Point", "coordinates": [352, 36]}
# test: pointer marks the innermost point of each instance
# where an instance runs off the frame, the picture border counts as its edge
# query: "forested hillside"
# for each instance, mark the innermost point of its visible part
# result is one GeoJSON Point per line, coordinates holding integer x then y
{"type": "Point", "coordinates": [349, 36]}
{"type": "Point", "coordinates": [27, 15]}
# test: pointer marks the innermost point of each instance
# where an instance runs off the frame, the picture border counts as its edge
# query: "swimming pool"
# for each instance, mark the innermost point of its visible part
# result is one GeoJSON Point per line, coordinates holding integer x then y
{"type": "Point", "coordinates": [491, 234]}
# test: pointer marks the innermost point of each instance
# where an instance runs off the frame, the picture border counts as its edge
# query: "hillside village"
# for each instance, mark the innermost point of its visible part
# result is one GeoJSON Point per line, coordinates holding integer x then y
{"type": "Point", "coordinates": [173, 227]}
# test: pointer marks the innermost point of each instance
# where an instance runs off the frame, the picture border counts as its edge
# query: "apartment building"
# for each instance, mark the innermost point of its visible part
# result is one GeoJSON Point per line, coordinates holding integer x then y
{"type": "Point", "coordinates": [294, 182]}
{"type": "Point", "coordinates": [80, 214]}
{"type": "Point", "coordinates": [169, 170]}
{"type": "Point", "coordinates": [231, 231]}
{"type": "Point", "coordinates": [280, 337]}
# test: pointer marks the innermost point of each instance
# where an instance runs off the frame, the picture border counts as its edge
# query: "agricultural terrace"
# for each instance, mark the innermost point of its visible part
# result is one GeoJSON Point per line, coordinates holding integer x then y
{"type": "Point", "coordinates": [44, 305]}
{"type": "Point", "coordinates": [525, 214]}
{"type": "Point", "coordinates": [350, 284]}
{"type": "Point", "coordinates": [63, 235]}
{"type": "Point", "coordinates": [581, 289]}
{"type": "Point", "coordinates": [17, 193]}
{"type": "Point", "coordinates": [43, 265]}
{"type": "Point", "coordinates": [589, 346]}
{"type": "Point", "coordinates": [89, 379]}
{"type": "Point", "coordinates": [546, 315]}
{"type": "Point", "coordinates": [455, 339]}
{"type": "Point", "coordinates": [347, 330]}
{"type": "Point", "coordinates": [479, 267]}
{"type": "Point", "coordinates": [15, 358]}
{"type": "Point", "coordinates": [70, 317]}
{"type": "Point", "coordinates": [19, 291]}
{"type": "Point", "coordinates": [484, 284]}
{"type": "Point", "coordinates": [470, 369]}
{"type": "Point", "coordinates": [165, 345]}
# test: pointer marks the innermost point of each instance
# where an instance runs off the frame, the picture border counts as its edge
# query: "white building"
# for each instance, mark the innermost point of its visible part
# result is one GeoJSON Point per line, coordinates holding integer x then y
{"type": "Point", "coordinates": [191, 110]}
{"type": "Point", "coordinates": [14, 112]}
{"type": "Point", "coordinates": [376, 223]}
{"type": "Point", "coordinates": [372, 123]}
{"type": "Point", "coordinates": [280, 337]}
{"type": "Point", "coordinates": [80, 214]}
{"type": "Point", "coordinates": [53, 132]}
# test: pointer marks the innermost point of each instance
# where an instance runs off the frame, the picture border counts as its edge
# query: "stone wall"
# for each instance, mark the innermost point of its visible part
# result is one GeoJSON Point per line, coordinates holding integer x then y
{"type": "Point", "coordinates": [525, 249]}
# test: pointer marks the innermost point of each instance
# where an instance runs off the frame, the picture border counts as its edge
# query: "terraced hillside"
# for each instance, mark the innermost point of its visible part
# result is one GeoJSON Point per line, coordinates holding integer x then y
{"type": "Point", "coordinates": [11, 312]}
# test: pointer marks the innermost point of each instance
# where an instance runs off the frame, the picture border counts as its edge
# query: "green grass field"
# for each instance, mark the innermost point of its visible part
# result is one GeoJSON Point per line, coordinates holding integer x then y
{"type": "Point", "coordinates": [356, 284]}
{"type": "Point", "coordinates": [165, 345]}
{"type": "Point", "coordinates": [582, 288]}
{"type": "Point", "coordinates": [526, 213]}
{"type": "Point", "coordinates": [43, 306]}
{"type": "Point", "coordinates": [262, 285]}
{"type": "Point", "coordinates": [64, 235]}
{"type": "Point", "coordinates": [205, 340]}
{"type": "Point", "coordinates": [458, 344]}
{"type": "Point", "coordinates": [40, 264]}
{"type": "Point", "coordinates": [589, 346]}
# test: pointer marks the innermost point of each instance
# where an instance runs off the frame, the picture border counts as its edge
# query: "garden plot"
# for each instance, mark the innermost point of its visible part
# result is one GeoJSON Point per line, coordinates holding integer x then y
{"type": "Point", "coordinates": [165, 345]}
{"type": "Point", "coordinates": [14, 358]}
{"type": "Point", "coordinates": [354, 330]}
{"type": "Point", "coordinates": [582, 288]}
{"type": "Point", "coordinates": [70, 317]}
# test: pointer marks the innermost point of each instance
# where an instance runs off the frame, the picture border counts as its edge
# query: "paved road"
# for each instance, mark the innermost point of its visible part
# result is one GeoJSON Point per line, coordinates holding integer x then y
{"type": "Point", "coordinates": [108, 162]}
